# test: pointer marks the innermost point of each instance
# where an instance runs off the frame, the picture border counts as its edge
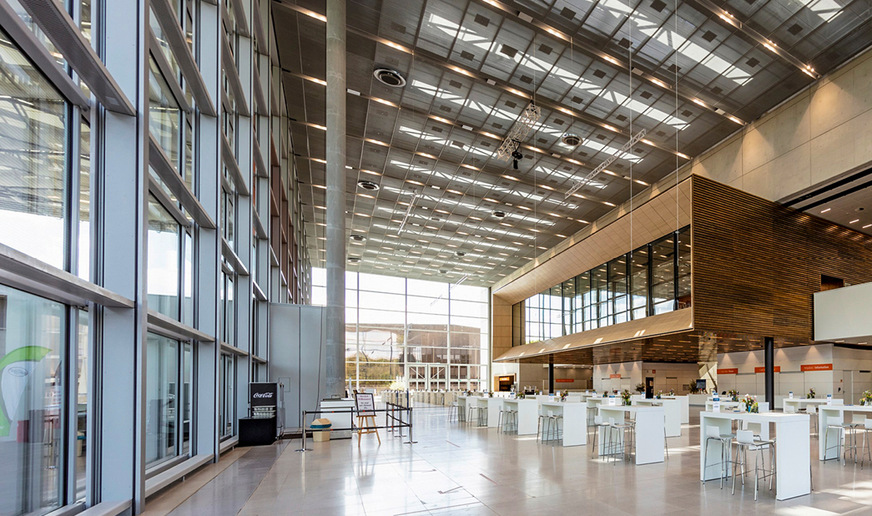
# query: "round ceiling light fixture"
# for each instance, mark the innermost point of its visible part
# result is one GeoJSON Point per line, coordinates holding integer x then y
{"type": "Point", "coordinates": [459, 253]}
{"type": "Point", "coordinates": [500, 214]}
{"type": "Point", "coordinates": [389, 77]}
{"type": "Point", "coordinates": [357, 238]}
{"type": "Point", "coordinates": [353, 259]}
{"type": "Point", "coordinates": [367, 185]}
{"type": "Point", "coordinates": [570, 139]}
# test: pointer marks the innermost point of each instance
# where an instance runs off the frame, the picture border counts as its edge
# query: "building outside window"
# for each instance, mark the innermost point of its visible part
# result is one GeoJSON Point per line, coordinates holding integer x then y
{"type": "Point", "coordinates": [414, 333]}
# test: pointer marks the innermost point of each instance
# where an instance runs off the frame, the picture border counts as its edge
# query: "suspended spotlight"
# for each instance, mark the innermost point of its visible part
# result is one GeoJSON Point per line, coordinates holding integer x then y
{"type": "Point", "coordinates": [516, 154]}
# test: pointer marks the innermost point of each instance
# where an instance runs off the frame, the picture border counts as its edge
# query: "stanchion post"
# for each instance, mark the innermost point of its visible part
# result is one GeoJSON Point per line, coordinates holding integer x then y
{"type": "Point", "coordinates": [303, 432]}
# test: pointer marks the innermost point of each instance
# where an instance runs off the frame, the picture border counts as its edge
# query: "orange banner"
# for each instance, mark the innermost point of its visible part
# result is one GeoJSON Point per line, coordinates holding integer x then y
{"type": "Point", "coordinates": [564, 380]}
{"type": "Point", "coordinates": [763, 369]}
{"type": "Point", "coordinates": [816, 367]}
{"type": "Point", "coordinates": [728, 371]}
{"type": "Point", "coordinates": [614, 375]}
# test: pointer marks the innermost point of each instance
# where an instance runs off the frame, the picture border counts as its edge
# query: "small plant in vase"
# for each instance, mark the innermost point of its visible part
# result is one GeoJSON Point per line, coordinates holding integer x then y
{"type": "Point", "coordinates": [625, 397]}
{"type": "Point", "coordinates": [734, 395]}
{"type": "Point", "coordinates": [640, 388]}
{"type": "Point", "coordinates": [521, 396]}
{"type": "Point", "coordinates": [672, 392]}
{"type": "Point", "coordinates": [659, 395]}
{"type": "Point", "coordinates": [811, 394]}
{"type": "Point", "coordinates": [866, 399]}
{"type": "Point", "coordinates": [750, 403]}
{"type": "Point", "coordinates": [563, 395]}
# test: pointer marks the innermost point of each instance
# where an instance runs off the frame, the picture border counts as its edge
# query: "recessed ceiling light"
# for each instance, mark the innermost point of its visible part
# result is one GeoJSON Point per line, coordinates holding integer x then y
{"type": "Point", "coordinates": [389, 77]}
{"type": "Point", "coordinates": [499, 213]}
{"type": "Point", "coordinates": [368, 185]}
{"type": "Point", "coordinates": [357, 237]}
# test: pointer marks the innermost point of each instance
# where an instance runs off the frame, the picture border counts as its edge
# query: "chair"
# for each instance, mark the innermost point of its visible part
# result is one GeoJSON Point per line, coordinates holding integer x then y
{"type": "Point", "coordinates": [745, 442]}
{"type": "Point", "coordinates": [713, 433]}
{"type": "Point", "coordinates": [507, 418]}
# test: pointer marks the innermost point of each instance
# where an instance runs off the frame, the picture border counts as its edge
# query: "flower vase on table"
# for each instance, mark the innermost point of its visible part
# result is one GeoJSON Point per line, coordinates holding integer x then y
{"type": "Point", "coordinates": [811, 394]}
{"type": "Point", "coordinates": [625, 398]}
{"type": "Point", "coordinates": [866, 400]}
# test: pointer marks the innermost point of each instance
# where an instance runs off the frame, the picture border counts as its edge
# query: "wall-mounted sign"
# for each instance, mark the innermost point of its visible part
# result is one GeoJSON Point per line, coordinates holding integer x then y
{"type": "Point", "coordinates": [816, 367]}
{"type": "Point", "coordinates": [733, 370]}
{"type": "Point", "coordinates": [564, 380]}
{"type": "Point", "coordinates": [763, 369]}
{"type": "Point", "coordinates": [615, 375]}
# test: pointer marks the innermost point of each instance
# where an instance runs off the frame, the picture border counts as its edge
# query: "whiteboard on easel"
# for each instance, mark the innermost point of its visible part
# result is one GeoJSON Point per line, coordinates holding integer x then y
{"type": "Point", "coordinates": [365, 402]}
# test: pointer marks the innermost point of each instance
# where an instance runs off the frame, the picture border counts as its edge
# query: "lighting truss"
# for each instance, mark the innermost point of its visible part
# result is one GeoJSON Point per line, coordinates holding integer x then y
{"type": "Point", "coordinates": [623, 150]}
{"type": "Point", "coordinates": [408, 213]}
{"type": "Point", "coordinates": [519, 132]}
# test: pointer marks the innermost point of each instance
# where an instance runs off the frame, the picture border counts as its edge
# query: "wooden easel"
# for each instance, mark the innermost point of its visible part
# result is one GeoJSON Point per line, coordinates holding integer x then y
{"type": "Point", "coordinates": [365, 420]}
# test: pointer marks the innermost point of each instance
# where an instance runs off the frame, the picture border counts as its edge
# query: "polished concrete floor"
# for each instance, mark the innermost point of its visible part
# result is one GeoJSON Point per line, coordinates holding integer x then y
{"type": "Point", "coordinates": [459, 469]}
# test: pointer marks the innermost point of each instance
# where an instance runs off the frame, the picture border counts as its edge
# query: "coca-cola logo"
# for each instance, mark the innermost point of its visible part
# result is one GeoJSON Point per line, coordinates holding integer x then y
{"type": "Point", "coordinates": [263, 395]}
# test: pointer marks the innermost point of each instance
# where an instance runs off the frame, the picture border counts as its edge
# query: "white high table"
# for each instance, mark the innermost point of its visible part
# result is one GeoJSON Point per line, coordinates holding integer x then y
{"type": "Point", "coordinates": [574, 420]}
{"type": "Point", "coordinates": [794, 405]}
{"type": "Point", "coordinates": [737, 405]}
{"type": "Point", "coordinates": [494, 405]}
{"type": "Point", "coordinates": [672, 408]}
{"type": "Point", "coordinates": [649, 430]}
{"type": "Point", "coordinates": [528, 414]}
{"type": "Point", "coordinates": [834, 414]}
{"type": "Point", "coordinates": [685, 407]}
{"type": "Point", "coordinates": [792, 461]}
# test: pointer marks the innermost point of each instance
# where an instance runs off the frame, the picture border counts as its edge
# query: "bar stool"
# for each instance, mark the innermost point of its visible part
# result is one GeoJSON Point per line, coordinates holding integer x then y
{"type": "Point", "coordinates": [597, 424]}
{"type": "Point", "coordinates": [811, 410]}
{"type": "Point", "coordinates": [554, 426]}
{"type": "Point", "coordinates": [844, 431]}
{"type": "Point", "coordinates": [473, 410]}
{"type": "Point", "coordinates": [507, 417]}
{"type": "Point", "coordinates": [867, 427]}
{"type": "Point", "coordinates": [745, 442]}
{"type": "Point", "coordinates": [452, 412]}
{"type": "Point", "coordinates": [713, 433]}
{"type": "Point", "coordinates": [623, 430]}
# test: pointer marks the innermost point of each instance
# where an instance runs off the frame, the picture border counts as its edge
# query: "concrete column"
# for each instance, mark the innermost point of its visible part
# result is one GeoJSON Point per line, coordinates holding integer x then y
{"type": "Point", "coordinates": [769, 369]}
{"type": "Point", "coordinates": [335, 352]}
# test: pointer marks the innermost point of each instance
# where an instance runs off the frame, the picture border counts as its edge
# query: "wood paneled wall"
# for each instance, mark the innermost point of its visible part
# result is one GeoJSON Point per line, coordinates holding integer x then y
{"type": "Point", "coordinates": [757, 263]}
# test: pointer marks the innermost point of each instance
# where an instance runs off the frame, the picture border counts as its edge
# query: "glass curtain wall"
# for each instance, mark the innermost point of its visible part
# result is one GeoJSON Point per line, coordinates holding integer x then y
{"type": "Point", "coordinates": [415, 333]}
{"type": "Point", "coordinates": [650, 280]}
{"type": "Point", "coordinates": [45, 194]}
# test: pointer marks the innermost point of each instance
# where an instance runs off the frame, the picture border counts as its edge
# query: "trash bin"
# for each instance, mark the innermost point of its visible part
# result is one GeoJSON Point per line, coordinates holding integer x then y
{"type": "Point", "coordinates": [321, 429]}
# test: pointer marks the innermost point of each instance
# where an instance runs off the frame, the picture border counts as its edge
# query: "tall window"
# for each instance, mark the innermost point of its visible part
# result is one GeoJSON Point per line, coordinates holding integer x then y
{"type": "Point", "coordinates": [169, 399]}
{"type": "Point", "coordinates": [422, 334]}
{"type": "Point", "coordinates": [32, 415]}
{"type": "Point", "coordinates": [653, 279]}
{"type": "Point", "coordinates": [164, 249]}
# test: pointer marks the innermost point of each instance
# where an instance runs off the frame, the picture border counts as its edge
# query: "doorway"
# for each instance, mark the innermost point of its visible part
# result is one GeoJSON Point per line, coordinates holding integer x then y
{"type": "Point", "coordinates": [649, 387]}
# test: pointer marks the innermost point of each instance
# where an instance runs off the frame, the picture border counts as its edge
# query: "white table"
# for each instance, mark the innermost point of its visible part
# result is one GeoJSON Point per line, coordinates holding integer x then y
{"type": "Point", "coordinates": [672, 408]}
{"type": "Point", "coordinates": [494, 405]}
{"type": "Point", "coordinates": [794, 405]}
{"type": "Point", "coordinates": [649, 430]}
{"type": "Point", "coordinates": [574, 420]}
{"type": "Point", "coordinates": [792, 460]}
{"type": "Point", "coordinates": [528, 414]}
{"type": "Point", "coordinates": [731, 405]}
{"type": "Point", "coordinates": [834, 414]}
{"type": "Point", "coordinates": [685, 407]}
